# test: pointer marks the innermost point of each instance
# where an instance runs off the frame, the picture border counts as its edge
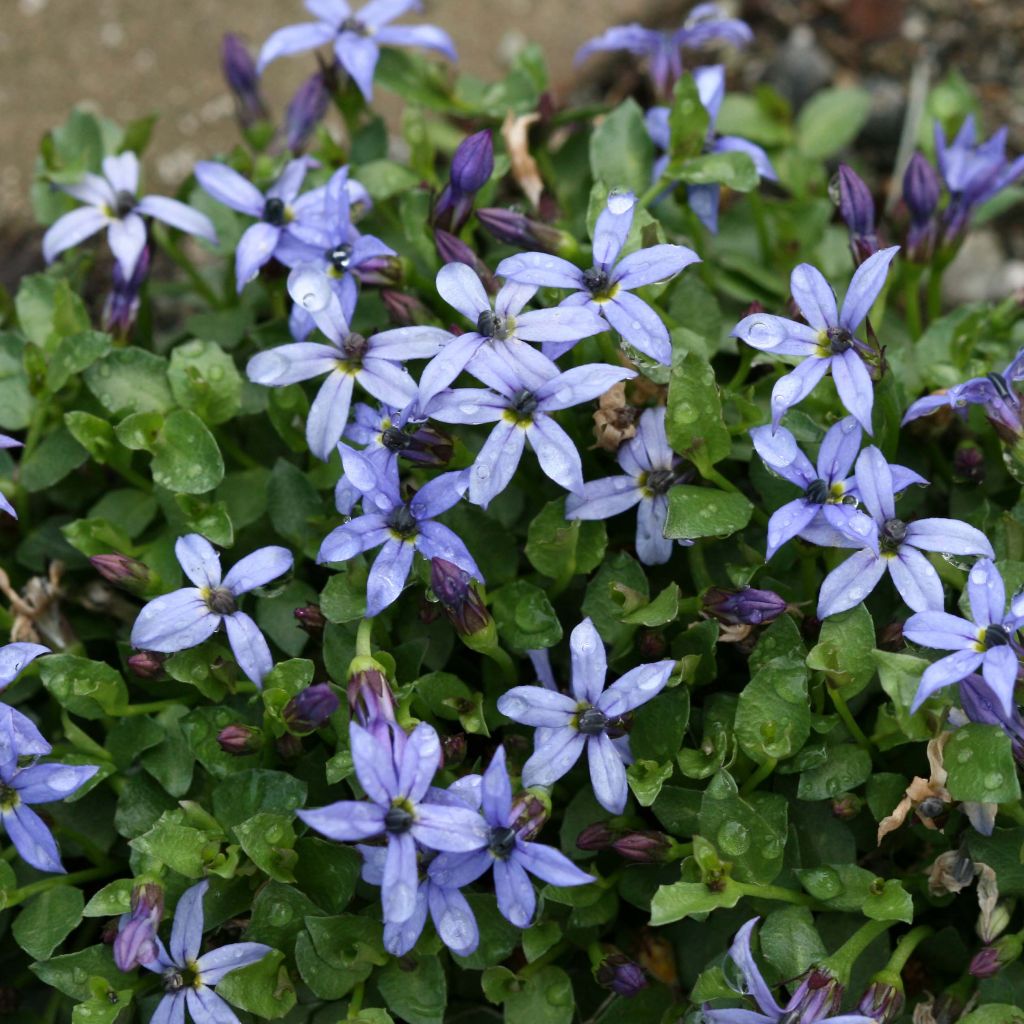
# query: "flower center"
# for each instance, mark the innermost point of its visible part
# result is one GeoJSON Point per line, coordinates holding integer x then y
{"type": "Point", "coordinates": [339, 257]}
{"type": "Point", "coordinates": [274, 212]}
{"type": "Point", "coordinates": [894, 532]}
{"type": "Point", "coordinates": [124, 203]}
{"type": "Point", "coordinates": [403, 522]}
{"type": "Point", "coordinates": [996, 636]}
{"type": "Point", "coordinates": [523, 406]}
{"type": "Point", "coordinates": [658, 481]}
{"type": "Point", "coordinates": [491, 325]}
{"type": "Point", "coordinates": [839, 340]}
{"type": "Point", "coordinates": [355, 346]}
{"type": "Point", "coordinates": [595, 280]}
{"type": "Point", "coordinates": [353, 25]}
{"type": "Point", "coordinates": [591, 722]}
{"type": "Point", "coordinates": [395, 440]}
{"type": "Point", "coordinates": [502, 841]}
{"type": "Point", "coordinates": [398, 820]}
{"type": "Point", "coordinates": [176, 979]}
{"type": "Point", "coordinates": [221, 601]}
{"type": "Point", "coordinates": [9, 798]}
{"type": "Point", "coordinates": [817, 492]}
{"type": "Point", "coordinates": [1001, 387]}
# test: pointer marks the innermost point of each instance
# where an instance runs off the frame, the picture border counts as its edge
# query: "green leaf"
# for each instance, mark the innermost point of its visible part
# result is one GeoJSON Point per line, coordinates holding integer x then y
{"type": "Point", "coordinates": [334, 954]}
{"type": "Point", "coordinates": [186, 458]}
{"type": "Point", "coordinates": [846, 768]}
{"type": "Point", "coordinates": [385, 178]}
{"type": "Point", "coordinates": [104, 1007]}
{"type": "Point", "coordinates": [93, 433]}
{"type": "Point", "coordinates": [773, 719]}
{"type": "Point", "coordinates": [263, 988]}
{"type": "Point", "coordinates": [844, 650]}
{"type": "Point", "coordinates": [415, 992]}
{"type": "Point", "coordinates": [327, 872]}
{"type": "Point", "coordinates": [695, 512]}
{"type": "Point", "coordinates": [204, 378]}
{"type": "Point", "coordinates": [693, 422]}
{"type": "Point", "coordinates": [621, 151]}
{"type": "Point", "coordinates": [91, 689]}
{"type": "Point", "coordinates": [545, 997]}
{"type": "Point", "coordinates": [184, 849]}
{"type": "Point", "coordinates": [268, 840]}
{"type": "Point", "coordinates": [849, 888]}
{"type": "Point", "coordinates": [790, 942]}
{"type": "Point", "coordinates": [662, 610]}
{"type": "Point", "coordinates": [979, 760]}
{"type": "Point", "coordinates": [525, 618]}
{"type": "Point", "coordinates": [734, 170]}
{"type": "Point", "coordinates": [239, 798]}
{"type": "Point", "coordinates": [47, 920]}
{"type": "Point", "coordinates": [72, 973]}
{"type": "Point", "coordinates": [559, 548]}
{"type": "Point", "coordinates": [344, 597]}
{"type": "Point", "coordinates": [15, 396]}
{"type": "Point", "coordinates": [57, 455]}
{"type": "Point", "coordinates": [995, 1013]}
{"type": "Point", "coordinates": [48, 310]}
{"type": "Point", "coordinates": [900, 676]}
{"type": "Point", "coordinates": [74, 355]}
{"type": "Point", "coordinates": [602, 599]}
{"type": "Point", "coordinates": [687, 120]}
{"type": "Point", "coordinates": [659, 725]}
{"type": "Point", "coordinates": [646, 779]}
{"type": "Point", "coordinates": [130, 380]}
{"type": "Point", "coordinates": [113, 899]}
{"type": "Point", "coordinates": [681, 899]}
{"type": "Point", "coordinates": [831, 120]}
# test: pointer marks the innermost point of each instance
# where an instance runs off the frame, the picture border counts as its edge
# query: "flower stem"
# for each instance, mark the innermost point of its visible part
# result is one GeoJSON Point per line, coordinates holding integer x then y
{"type": "Point", "coordinates": [17, 896]}
{"type": "Point", "coordinates": [756, 777]}
{"type": "Point", "coordinates": [906, 946]}
{"type": "Point", "coordinates": [842, 960]}
{"type": "Point", "coordinates": [364, 644]}
{"type": "Point", "coordinates": [355, 1003]}
{"type": "Point", "coordinates": [501, 658]}
{"type": "Point", "coordinates": [848, 720]}
{"type": "Point", "coordinates": [150, 707]}
{"type": "Point", "coordinates": [912, 300]}
{"type": "Point", "coordinates": [172, 249]}
{"type": "Point", "coordinates": [542, 961]}
{"type": "Point", "coordinates": [776, 892]}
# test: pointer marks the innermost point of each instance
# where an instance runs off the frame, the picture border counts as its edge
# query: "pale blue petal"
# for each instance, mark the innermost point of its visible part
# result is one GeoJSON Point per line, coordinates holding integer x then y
{"type": "Point", "coordinates": [249, 646]}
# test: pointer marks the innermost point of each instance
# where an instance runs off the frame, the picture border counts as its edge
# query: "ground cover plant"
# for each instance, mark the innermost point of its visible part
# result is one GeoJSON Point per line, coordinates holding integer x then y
{"type": "Point", "coordinates": [554, 564]}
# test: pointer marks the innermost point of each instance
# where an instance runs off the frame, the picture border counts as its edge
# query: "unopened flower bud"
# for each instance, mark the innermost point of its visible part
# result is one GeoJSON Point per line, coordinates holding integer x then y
{"type": "Point", "coordinates": [598, 836]}
{"type": "Point", "coordinates": [857, 208]}
{"type": "Point", "coordinates": [921, 190]}
{"type": "Point", "coordinates": [369, 693]}
{"type": "Point", "coordinates": [403, 309]}
{"type": "Point", "coordinates": [652, 645]}
{"type": "Point", "coordinates": [453, 749]}
{"type": "Point", "coordinates": [818, 996]}
{"type": "Point", "coordinates": [890, 636]}
{"type": "Point", "coordinates": [240, 739]}
{"type": "Point", "coordinates": [452, 249]}
{"type": "Point", "coordinates": [988, 962]}
{"type": "Point", "coordinates": [648, 847]}
{"type": "Point", "coordinates": [620, 975]}
{"type": "Point", "coordinates": [463, 604]}
{"type": "Point", "coordinates": [882, 1002]}
{"type": "Point", "coordinates": [310, 708]}
{"type": "Point", "coordinates": [147, 664]}
{"type": "Point", "coordinates": [243, 79]}
{"type": "Point", "coordinates": [311, 619]}
{"type": "Point", "coordinates": [530, 812]}
{"type": "Point", "coordinates": [127, 573]}
{"type": "Point", "coordinates": [847, 806]}
{"type": "Point", "coordinates": [969, 463]}
{"type": "Point", "coordinates": [991, 924]}
{"type": "Point", "coordinates": [472, 166]}
{"type": "Point", "coordinates": [136, 941]}
{"type": "Point", "coordinates": [122, 303]}
{"type": "Point", "coordinates": [288, 747]}
{"type": "Point", "coordinates": [306, 111]}
{"type": "Point", "coordinates": [519, 230]}
{"type": "Point", "coordinates": [747, 606]}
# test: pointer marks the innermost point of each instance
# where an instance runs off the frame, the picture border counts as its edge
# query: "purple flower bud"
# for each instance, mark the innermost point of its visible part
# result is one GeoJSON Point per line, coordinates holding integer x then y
{"type": "Point", "coordinates": [288, 747]}
{"type": "Point", "coordinates": [646, 847]}
{"type": "Point", "coordinates": [847, 806]}
{"type": "Point", "coordinates": [310, 708]}
{"type": "Point", "coordinates": [598, 836]}
{"type": "Point", "coordinates": [461, 600]}
{"type": "Point", "coordinates": [369, 693]}
{"type": "Point", "coordinates": [240, 739]}
{"type": "Point", "coordinates": [652, 645]}
{"type": "Point", "coordinates": [136, 941]}
{"type": "Point", "coordinates": [857, 208]}
{"type": "Point", "coordinates": [969, 463]}
{"type": "Point", "coordinates": [453, 749]}
{"type": "Point", "coordinates": [147, 664]}
{"type": "Point", "coordinates": [306, 111]}
{"type": "Point", "coordinates": [881, 1002]}
{"type": "Point", "coordinates": [530, 813]}
{"type": "Point", "coordinates": [311, 619]}
{"type": "Point", "coordinates": [921, 189]}
{"type": "Point", "coordinates": [519, 230]}
{"type": "Point", "coordinates": [621, 975]}
{"type": "Point", "coordinates": [127, 573]}
{"type": "Point", "coordinates": [890, 636]}
{"type": "Point", "coordinates": [747, 606]}
{"type": "Point", "coordinates": [403, 309]}
{"type": "Point", "coordinates": [473, 162]}
{"type": "Point", "coordinates": [818, 996]}
{"type": "Point", "coordinates": [453, 250]}
{"type": "Point", "coordinates": [243, 80]}
{"type": "Point", "coordinates": [122, 303]}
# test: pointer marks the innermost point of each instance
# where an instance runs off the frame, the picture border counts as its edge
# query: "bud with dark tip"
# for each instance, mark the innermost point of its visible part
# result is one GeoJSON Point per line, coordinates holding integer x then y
{"type": "Point", "coordinates": [147, 664]}
{"type": "Point", "coordinates": [472, 167]}
{"type": "Point", "coordinates": [136, 941]}
{"type": "Point", "coordinates": [882, 1001]}
{"type": "Point", "coordinates": [288, 747]}
{"type": "Point", "coordinates": [453, 749]}
{"type": "Point", "coordinates": [310, 708]}
{"type": "Point", "coordinates": [847, 806]}
{"type": "Point", "coordinates": [857, 208]}
{"type": "Point", "coordinates": [243, 79]}
{"type": "Point", "coordinates": [748, 607]}
{"type": "Point", "coordinates": [969, 463]}
{"type": "Point", "coordinates": [530, 812]}
{"type": "Point", "coordinates": [122, 303]}
{"type": "Point", "coordinates": [648, 847]}
{"type": "Point", "coordinates": [369, 693]}
{"type": "Point", "coordinates": [620, 975]}
{"type": "Point", "coordinates": [452, 249]}
{"type": "Point", "coordinates": [992, 959]}
{"type": "Point", "coordinates": [598, 836]}
{"type": "Point", "coordinates": [517, 229]}
{"type": "Point", "coordinates": [404, 310]}
{"type": "Point", "coordinates": [652, 645]}
{"type": "Point", "coordinates": [306, 110]}
{"type": "Point", "coordinates": [463, 604]}
{"type": "Point", "coordinates": [240, 739]}
{"type": "Point", "coordinates": [818, 996]}
{"type": "Point", "coordinates": [921, 190]}
{"type": "Point", "coordinates": [311, 619]}
{"type": "Point", "coordinates": [127, 573]}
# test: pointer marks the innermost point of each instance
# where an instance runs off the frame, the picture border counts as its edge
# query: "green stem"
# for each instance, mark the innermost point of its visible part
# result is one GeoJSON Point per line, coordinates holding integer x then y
{"type": "Point", "coordinates": [172, 249]}
{"type": "Point", "coordinates": [934, 293]}
{"type": "Point", "coordinates": [659, 186]}
{"type": "Point", "coordinates": [44, 885]}
{"type": "Point", "coordinates": [232, 448]}
{"type": "Point", "coordinates": [756, 777]}
{"type": "Point", "coordinates": [587, 113]}
{"type": "Point", "coordinates": [912, 300]}
{"type": "Point", "coordinates": [842, 960]}
{"type": "Point", "coordinates": [698, 568]}
{"type": "Point", "coordinates": [1013, 810]}
{"type": "Point", "coordinates": [761, 226]}
{"type": "Point", "coordinates": [355, 1003]}
{"type": "Point", "coordinates": [542, 961]}
{"type": "Point", "coordinates": [776, 892]}
{"type": "Point", "coordinates": [740, 376]}
{"type": "Point", "coordinates": [151, 707]}
{"type": "Point", "coordinates": [848, 720]}
{"type": "Point", "coordinates": [906, 946]}
{"type": "Point", "coordinates": [364, 644]}
{"type": "Point", "coordinates": [501, 658]}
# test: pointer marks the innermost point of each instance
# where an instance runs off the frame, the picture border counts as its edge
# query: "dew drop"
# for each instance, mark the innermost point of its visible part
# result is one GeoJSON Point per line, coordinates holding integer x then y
{"type": "Point", "coordinates": [734, 839]}
{"type": "Point", "coordinates": [993, 780]}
